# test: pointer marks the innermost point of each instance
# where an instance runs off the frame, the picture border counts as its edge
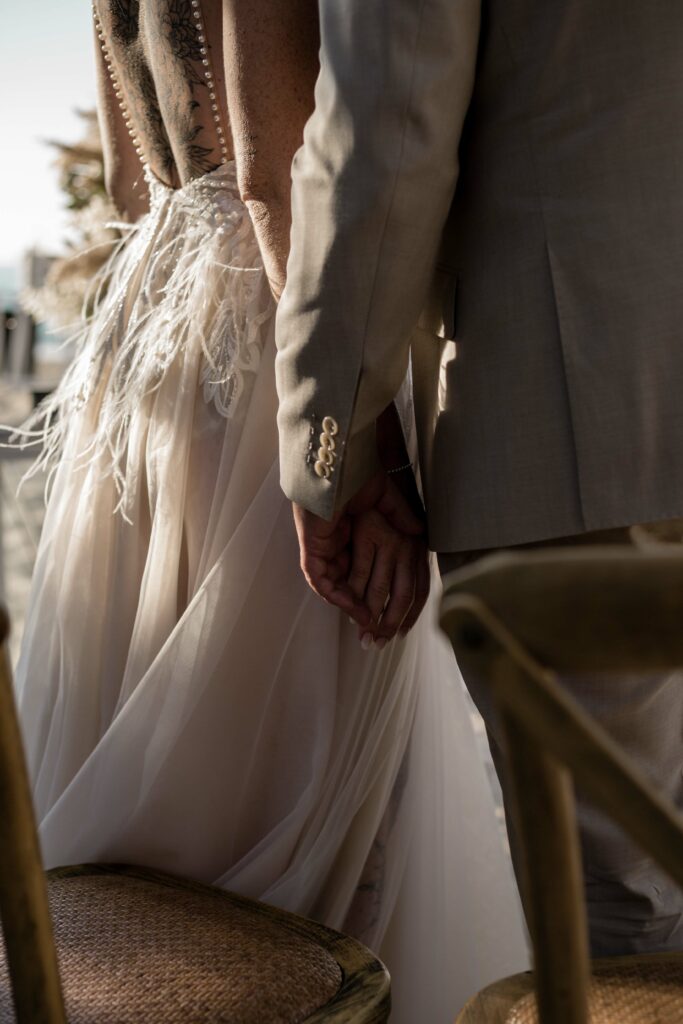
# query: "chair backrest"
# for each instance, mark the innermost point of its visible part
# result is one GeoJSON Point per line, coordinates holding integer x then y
{"type": "Point", "coordinates": [24, 907]}
{"type": "Point", "coordinates": [519, 618]}
{"type": "Point", "coordinates": [584, 609]}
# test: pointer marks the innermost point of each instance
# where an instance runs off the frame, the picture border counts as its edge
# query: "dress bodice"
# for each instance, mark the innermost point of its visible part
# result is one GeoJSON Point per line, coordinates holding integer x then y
{"type": "Point", "coordinates": [183, 296]}
{"type": "Point", "coordinates": [164, 59]}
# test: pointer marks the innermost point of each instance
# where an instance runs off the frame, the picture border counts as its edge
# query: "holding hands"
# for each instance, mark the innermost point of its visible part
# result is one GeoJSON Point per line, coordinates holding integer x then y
{"type": "Point", "coordinates": [371, 560]}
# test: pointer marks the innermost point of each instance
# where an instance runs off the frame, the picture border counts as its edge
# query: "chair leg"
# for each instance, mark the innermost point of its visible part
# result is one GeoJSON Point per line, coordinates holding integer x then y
{"type": "Point", "coordinates": [543, 805]}
{"type": "Point", "coordinates": [23, 894]}
{"type": "Point", "coordinates": [602, 771]}
{"type": "Point", "coordinates": [543, 810]}
{"type": "Point", "coordinates": [535, 709]}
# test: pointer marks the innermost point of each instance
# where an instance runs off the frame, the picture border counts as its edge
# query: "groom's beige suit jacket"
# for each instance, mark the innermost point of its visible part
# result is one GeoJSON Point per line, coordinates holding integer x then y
{"type": "Point", "coordinates": [508, 173]}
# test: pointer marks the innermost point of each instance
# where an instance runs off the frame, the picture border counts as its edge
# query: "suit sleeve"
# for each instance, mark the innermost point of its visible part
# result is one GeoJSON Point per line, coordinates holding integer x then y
{"type": "Point", "coordinates": [372, 186]}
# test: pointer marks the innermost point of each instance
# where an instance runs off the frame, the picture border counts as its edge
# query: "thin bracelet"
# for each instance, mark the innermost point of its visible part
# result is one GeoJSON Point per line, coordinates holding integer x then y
{"type": "Point", "coordinates": [400, 469]}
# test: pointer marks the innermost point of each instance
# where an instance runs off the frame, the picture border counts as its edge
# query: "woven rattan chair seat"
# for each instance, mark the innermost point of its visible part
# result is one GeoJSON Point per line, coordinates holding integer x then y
{"type": "Point", "coordinates": [624, 990]}
{"type": "Point", "coordinates": [132, 949]}
{"type": "Point", "coordinates": [633, 992]}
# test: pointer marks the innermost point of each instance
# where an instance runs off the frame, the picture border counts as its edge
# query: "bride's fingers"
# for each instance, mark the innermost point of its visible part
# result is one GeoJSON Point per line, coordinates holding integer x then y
{"type": "Point", "coordinates": [340, 594]}
{"type": "Point", "coordinates": [402, 592]}
{"type": "Point", "coordinates": [398, 513]}
{"type": "Point", "coordinates": [362, 560]}
{"type": "Point", "coordinates": [380, 582]}
{"type": "Point", "coordinates": [339, 567]}
{"type": "Point", "coordinates": [324, 544]}
{"type": "Point", "coordinates": [324, 560]}
{"type": "Point", "coordinates": [318, 537]}
{"type": "Point", "coordinates": [339, 540]}
{"type": "Point", "coordinates": [327, 581]}
{"type": "Point", "coordinates": [331, 584]}
{"type": "Point", "coordinates": [381, 494]}
{"type": "Point", "coordinates": [423, 581]}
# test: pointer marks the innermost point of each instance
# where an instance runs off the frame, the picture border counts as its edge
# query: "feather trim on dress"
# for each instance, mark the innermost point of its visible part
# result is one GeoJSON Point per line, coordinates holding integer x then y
{"type": "Point", "coordinates": [187, 277]}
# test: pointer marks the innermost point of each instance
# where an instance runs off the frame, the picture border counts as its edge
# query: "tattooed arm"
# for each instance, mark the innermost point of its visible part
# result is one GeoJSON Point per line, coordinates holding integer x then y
{"type": "Point", "coordinates": [271, 63]}
{"type": "Point", "coordinates": [122, 166]}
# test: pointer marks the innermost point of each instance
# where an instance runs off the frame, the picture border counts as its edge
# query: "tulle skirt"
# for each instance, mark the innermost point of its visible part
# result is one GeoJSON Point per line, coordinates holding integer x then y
{"type": "Point", "coordinates": [187, 703]}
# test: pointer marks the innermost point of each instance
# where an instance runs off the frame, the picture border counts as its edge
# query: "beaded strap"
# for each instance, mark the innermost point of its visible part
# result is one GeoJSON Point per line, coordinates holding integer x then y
{"type": "Point", "coordinates": [210, 78]}
{"type": "Point", "coordinates": [116, 85]}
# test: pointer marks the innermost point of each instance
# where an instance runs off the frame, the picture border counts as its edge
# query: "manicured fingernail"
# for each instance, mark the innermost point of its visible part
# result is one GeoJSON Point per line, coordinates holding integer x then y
{"type": "Point", "coordinates": [381, 643]}
{"type": "Point", "coordinates": [366, 641]}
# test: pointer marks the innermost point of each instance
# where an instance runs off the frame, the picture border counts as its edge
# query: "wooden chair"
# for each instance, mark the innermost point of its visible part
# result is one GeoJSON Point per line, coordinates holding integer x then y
{"type": "Point", "coordinates": [123, 945]}
{"type": "Point", "coordinates": [520, 618]}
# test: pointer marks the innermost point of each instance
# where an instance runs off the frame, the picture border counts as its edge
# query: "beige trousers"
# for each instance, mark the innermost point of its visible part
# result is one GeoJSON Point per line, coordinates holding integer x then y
{"type": "Point", "coordinates": [633, 907]}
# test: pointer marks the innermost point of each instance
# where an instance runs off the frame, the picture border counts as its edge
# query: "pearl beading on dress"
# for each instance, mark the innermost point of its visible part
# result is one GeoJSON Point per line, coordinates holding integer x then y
{"type": "Point", "coordinates": [192, 255]}
{"type": "Point", "coordinates": [116, 85]}
{"type": "Point", "coordinates": [209, 76]}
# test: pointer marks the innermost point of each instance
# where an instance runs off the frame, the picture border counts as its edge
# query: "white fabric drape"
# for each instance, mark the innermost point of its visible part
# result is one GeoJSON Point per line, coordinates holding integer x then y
{"type": "Point", "coordinates": [189, 705]}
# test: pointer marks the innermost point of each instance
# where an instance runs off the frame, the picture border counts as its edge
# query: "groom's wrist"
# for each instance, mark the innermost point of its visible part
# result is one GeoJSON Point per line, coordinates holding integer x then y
{"type": "Point", "coordinates": [360, 462]}
{"type": "Point", "coordinates": [391, 444]}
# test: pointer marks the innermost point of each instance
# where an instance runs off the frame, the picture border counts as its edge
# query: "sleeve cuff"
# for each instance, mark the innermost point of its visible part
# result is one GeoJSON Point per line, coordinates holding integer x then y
{"type": "Point", "coordinates": [360, 463]}
{"type": "Point", "coordinates": [357, 461]}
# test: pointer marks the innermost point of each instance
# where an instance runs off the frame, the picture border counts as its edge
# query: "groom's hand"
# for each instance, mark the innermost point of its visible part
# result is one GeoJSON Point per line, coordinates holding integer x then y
{"type": "Point", "coordinates": [324, 549]}
{"type": "Point", "coordinates": [390, 573]}
{"type": "Point", "coordinates": [389, 558]}
{"type": "Point", "coordinates": [369, 543]}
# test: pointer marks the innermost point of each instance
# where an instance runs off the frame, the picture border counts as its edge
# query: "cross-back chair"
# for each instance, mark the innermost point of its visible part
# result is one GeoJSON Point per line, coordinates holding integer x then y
{"type": "Point", "coordinates": [518, 619]}
{"type": "Point", "coordinates": [105, 944]}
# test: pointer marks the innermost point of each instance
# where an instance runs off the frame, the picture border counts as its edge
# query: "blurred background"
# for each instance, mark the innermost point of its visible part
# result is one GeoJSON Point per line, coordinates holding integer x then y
{"type": "Point", "coordinates": [47, 75]}
{"type": "Point", "coordinates": [52, 225]}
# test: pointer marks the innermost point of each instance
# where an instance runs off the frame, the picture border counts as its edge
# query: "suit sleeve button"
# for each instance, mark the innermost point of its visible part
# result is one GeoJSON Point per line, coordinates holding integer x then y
{"type": "Point", "coordinates": [325, 456]}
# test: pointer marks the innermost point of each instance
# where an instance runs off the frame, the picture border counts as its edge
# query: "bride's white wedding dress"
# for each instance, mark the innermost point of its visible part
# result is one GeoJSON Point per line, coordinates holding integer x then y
{"type": "Point", "coordinates": [187, 703]}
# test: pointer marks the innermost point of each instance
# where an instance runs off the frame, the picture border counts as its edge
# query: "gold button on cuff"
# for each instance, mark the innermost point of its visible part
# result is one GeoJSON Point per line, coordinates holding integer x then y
{"type": "Point", "coordinates": [330, 426]}
{"type": "Point", "coordinates": [322, 470]}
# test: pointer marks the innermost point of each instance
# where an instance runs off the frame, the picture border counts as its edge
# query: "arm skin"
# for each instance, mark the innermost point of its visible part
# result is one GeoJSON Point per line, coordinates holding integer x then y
{"type": "Point", "coordinates": [123, 176]}
{"type": "Point", "coordinates": [372, 187]}
{"type": "Point", "coordinates": [271, 62]}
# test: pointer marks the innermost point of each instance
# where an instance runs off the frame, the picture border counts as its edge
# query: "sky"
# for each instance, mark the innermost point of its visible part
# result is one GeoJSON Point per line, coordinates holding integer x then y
{"type": "Point", "coordinates": [46, 72]}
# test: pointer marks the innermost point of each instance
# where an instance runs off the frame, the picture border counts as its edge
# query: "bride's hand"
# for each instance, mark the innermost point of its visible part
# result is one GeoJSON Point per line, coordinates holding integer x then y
{"type": "Point", "coordinates": [357, 550]}
{"type": "Point", "coordinates": [324, 549]}
{"type": "Point", "coordinates": [389, 568]}
{"type": "Point", "coordinates": [390, 574]}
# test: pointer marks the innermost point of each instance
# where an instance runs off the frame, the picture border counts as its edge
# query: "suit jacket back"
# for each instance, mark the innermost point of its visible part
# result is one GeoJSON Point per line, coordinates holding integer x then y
{"type": "Point", "coordinates": [564, 404]}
